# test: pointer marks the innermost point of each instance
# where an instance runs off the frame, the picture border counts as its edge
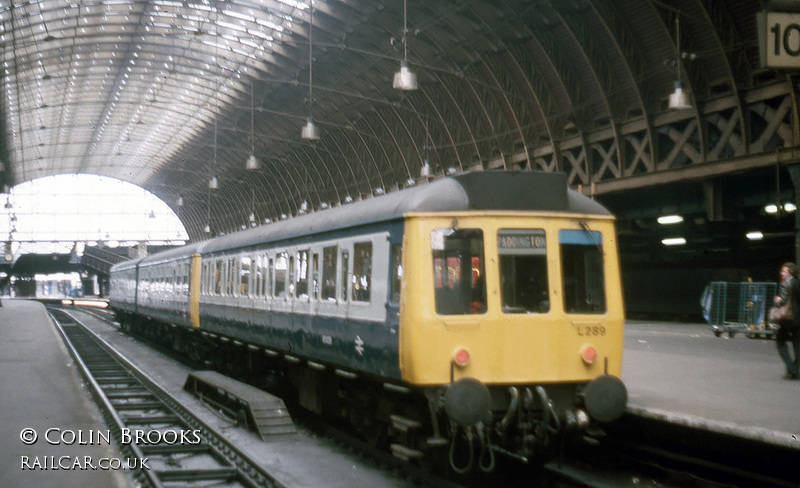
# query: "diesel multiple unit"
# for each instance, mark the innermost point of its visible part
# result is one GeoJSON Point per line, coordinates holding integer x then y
{"type": "Point", "coordinates": [469, 316]}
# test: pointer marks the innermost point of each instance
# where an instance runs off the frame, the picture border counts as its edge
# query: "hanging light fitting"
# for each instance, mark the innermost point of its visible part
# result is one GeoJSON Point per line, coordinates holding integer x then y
{"type": "Point", "coordinates": [679, 99]}
{"type": "Point", "coordinates": [252, 163]}
{"type": "Point", "coordinates": [405, 79]}
{"type": "Point", "coordinates": [425, 171]}
{"type": "Point", "coordinates": [310, 131]}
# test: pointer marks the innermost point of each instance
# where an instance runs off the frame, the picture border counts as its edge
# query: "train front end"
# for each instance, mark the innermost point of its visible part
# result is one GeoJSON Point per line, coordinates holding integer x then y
{"type": "Point", "coordinates": [512, 321]}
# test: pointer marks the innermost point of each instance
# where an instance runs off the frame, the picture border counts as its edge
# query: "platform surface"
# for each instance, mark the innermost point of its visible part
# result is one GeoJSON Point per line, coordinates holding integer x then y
{"type": "Point", "coordinates": [40, 389]}
{"type": "Point", "coordinates": [683, 373]}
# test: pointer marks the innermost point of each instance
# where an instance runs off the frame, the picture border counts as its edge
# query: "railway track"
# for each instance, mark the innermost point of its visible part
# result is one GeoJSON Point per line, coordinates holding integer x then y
{"type": "Point", "coordinates": [165, 444]}
{"type": "Point", "coordinates": [394, 467]}
{"type": "Point", "coordinates": [636, 452]}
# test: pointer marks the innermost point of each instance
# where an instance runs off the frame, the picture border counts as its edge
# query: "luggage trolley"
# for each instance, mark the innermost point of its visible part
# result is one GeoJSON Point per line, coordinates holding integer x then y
{"type": "Point", "coordinates": [739, 307]}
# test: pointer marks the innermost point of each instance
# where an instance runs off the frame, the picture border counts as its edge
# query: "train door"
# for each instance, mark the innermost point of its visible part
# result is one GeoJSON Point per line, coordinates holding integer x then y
{"type": "Point", "coordinates": [345, 272]}
{"type": "Point", "coordinates": [395, 280]}
{"type": "Point", "coordinates": [301, 272]}
{"type": "Point", "coordinates": [327, 297]}
{"type": "Point", "coordinates": [314, 282]}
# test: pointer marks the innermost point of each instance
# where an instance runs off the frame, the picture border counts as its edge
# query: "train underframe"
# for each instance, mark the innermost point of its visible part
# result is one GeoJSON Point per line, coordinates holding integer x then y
{"type": "Point", "coordinates": [460, 427]}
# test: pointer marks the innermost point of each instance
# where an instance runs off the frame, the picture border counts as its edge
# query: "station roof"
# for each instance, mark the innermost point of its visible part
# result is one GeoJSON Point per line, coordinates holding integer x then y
{"type": "Point", "coordinates": [166, 94]}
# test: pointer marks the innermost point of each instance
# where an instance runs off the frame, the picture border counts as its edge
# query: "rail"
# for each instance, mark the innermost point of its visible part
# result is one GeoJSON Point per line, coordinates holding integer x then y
{"type": "Point", "coordinates": [149, 424]}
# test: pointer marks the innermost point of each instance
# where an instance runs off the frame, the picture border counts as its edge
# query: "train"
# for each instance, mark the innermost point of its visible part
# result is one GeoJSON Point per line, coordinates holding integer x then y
{"type": "Point", "coordinates": [454, 321]}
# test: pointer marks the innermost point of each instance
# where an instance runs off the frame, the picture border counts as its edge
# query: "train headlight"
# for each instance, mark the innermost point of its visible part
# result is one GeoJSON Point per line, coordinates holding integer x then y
{"type": "Point", "coordinates": [589, 354]}
{"type": "Point", "coordinates": [461, 358]}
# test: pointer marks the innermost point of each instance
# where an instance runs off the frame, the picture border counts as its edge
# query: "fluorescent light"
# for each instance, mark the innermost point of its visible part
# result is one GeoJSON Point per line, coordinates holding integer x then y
{"type": "Point", "coordinates": [674, 241]}
{"type": "Point", "coordinates": [771, 208]}
{"type": "Point", "coordinates": [755, 235]}
{"type": "Point", "coordinates": [670, 219]}
{"type": "Point", "coordinates": [789, 207]}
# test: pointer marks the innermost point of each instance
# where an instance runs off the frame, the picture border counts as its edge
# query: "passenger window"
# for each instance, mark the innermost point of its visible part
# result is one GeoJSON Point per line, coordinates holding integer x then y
{"type": "Point", "coordinates": [458, 271]}
{"type": "Point", "coordinates": [258, 276]}
{"type": "Point", "coordinates": [345, 275]}
{"type": "Point", "coordinates": [280, 275]}
{"type": "Point", "coordinates": [315, 274]}
{"type": "Point", "coordinates": [582, 271]}
{"type": "Point", "coordinates": [231, 275]}
{"type": "Point", "coordinates": [523, 270]}
{"type": "Point", "coordinates": [329, 273]}
{"type": "Point", "coordinates": [270, 274]}
{"type": "Point", "coordinates": [302, 273]}
{"type": "Point", "coordinates": [396, 273]}
{"type": "Point", "coordinates": [244, 274]}
{"type": "Point", "coordinates": [263, 279]}
{"type": "Point", "coordinates": [219, 277]}
{"type": "Point", "coordinates": [292, 276]}
{"type": "Point", "coordinates": [362, 272]}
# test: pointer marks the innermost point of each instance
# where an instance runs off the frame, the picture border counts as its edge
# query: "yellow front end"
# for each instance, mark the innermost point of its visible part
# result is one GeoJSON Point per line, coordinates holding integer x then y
{"type": "Point", "coordinates": [559, 336]}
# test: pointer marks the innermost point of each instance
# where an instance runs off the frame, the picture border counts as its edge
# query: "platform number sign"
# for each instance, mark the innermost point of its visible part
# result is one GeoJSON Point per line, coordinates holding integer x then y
{"type": "Point", "coordinates": [779, 39]}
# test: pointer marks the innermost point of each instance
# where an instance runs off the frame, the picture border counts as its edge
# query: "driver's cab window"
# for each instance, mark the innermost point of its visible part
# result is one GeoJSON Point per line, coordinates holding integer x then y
{"type": "Point", "coordinates": [458, 271]}
{"type": "Point", "coordinates": [523, 270]}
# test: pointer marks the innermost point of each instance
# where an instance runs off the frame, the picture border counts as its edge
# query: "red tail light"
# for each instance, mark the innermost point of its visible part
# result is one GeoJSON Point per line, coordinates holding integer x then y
{"type": "Point", "coordinates": [589, 354]}
{"type": "Point", "coordinates": [461, 358]}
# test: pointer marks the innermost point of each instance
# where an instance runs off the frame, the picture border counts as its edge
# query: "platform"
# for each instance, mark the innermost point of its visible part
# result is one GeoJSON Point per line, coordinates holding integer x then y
{"type": "Point", "coordinates": [41, 389]}
{"type": "Point", "coordinates": [684, 374]}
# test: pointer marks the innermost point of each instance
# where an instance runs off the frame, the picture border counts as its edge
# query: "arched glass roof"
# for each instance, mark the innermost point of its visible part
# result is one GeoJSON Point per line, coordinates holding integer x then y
{"type": "Point", "coordinates": [51, 214]}
{"type": "Point", "coordinates": [166, 94]}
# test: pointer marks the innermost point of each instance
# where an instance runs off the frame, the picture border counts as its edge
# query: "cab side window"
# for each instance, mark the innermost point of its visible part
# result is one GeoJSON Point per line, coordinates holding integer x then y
{"type": "Point", "coordinates": [583, 271]}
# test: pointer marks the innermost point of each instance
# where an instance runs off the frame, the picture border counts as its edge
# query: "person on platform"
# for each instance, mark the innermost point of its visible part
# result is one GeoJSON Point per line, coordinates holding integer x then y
{"type": "Point", "coordinates": [789, 330]}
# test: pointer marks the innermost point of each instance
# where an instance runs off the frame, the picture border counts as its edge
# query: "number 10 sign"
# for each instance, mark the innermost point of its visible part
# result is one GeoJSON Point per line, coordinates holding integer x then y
{"type": "Point", "coordinates": [779, 39]}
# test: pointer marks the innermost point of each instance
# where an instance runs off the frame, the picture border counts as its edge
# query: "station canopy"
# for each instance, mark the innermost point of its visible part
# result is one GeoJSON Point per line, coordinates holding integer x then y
{"type": "Point", "coordinates": [172, 94]}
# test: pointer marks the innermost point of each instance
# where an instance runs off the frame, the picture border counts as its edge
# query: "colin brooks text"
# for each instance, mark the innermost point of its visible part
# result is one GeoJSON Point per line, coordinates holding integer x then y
{"type": "Point", "coordinates": [56, 436]}
{"type": "Point", "coordinates": [73, 463]}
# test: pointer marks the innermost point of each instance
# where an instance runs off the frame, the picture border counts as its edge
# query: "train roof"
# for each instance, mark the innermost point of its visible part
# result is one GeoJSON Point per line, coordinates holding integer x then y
{"type": "Point", "coordinates": [487, 190]}
{"type": "Point", "coordinates": [167, 255]}
{"type": "Point", "coordinates": [123, 265]}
